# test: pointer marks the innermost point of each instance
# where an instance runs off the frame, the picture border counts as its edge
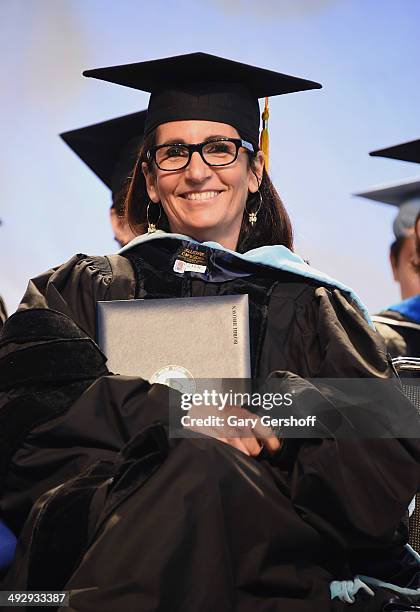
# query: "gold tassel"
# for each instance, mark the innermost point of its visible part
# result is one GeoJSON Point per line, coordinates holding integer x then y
{"type": "Point", "coordinates": [264, 139]}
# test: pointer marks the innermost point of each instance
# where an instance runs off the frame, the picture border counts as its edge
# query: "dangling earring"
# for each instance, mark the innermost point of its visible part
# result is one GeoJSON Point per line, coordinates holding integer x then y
{"type": "Point", "coordinates": [252, 216]}
{"type": "Point", "coordinates": [151, 226]}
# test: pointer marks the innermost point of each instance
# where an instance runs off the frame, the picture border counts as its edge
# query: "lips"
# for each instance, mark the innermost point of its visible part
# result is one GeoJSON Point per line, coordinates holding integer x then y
{"type": "Point", "coordinates": [200, 195]}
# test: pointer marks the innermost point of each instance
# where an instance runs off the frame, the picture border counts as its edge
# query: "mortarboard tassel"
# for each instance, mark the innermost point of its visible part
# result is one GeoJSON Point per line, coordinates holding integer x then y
{"type": "Point", "coordinates": [264, 139]}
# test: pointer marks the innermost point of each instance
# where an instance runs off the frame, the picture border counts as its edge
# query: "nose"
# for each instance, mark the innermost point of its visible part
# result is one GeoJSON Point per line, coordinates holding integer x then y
{"type": "Point", "coordinates": [197, 170]}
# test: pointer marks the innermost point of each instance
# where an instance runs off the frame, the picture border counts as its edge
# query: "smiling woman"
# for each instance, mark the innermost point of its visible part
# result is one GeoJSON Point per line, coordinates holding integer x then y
{"type": "Point", "coordinates": [203, 199]}
{"type": "Point", "coordinates": [228, 190]}
{"type": "Point", "coordinates": [249, 522]}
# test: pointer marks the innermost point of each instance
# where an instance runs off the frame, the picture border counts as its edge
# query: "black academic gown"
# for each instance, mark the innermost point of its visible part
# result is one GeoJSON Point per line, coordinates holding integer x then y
{"type": "Point", "coordinates": [400, 332]}
{"type": "Point", "coordinates": [193, 524]}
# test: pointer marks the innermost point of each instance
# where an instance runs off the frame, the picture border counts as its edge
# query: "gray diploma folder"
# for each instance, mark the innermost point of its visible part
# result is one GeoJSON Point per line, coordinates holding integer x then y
{"type": "Point", "coordinates": [181, 338]}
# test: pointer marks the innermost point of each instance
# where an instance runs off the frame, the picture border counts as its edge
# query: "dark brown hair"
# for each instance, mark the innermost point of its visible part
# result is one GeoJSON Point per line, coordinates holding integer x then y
{"type": "Point", "coordinates": [396, 247]}
{"type": "Point", "coordinates": [118, 200]}
{"type": "Point", "coordinates": [416, 259]}
{"type": "Point", "coordinates": [273, 225]}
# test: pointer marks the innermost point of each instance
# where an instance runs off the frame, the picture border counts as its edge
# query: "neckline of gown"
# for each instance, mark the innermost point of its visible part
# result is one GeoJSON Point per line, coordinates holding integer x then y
{"type": "Point", "coordinates": [275, 256]}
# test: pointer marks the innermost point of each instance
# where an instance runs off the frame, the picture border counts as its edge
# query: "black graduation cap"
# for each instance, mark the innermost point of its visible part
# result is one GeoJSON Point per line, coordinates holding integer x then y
{"type": "Point", "coordinates": [405, 196]}
{"type": "Point", "coordinates": [204, 87]}
{"type": "Point", "coordinates": [109, 148]}
{"type": "Point", "coordinates": [407, 151]}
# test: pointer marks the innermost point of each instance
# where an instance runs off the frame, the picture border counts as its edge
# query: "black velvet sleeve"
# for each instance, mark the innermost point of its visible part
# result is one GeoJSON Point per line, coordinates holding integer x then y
{"type": "Point", "coordinates": [60, 410]}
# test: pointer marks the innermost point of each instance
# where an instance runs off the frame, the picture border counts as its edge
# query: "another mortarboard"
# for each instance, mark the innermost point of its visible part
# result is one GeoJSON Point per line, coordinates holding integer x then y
{"type": "Point", "coordinates": [203, 87]}
{"type": "Point", "coordinates": [109, 148]}
{"type": "Point", "coordinates": [406, 196]}
{"type": "Point", "coordinates": [407, 151]}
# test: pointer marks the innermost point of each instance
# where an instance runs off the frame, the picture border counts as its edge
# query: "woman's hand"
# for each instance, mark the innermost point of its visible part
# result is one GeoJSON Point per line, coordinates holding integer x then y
{"type": "Point", "coordinates": [235, 426]}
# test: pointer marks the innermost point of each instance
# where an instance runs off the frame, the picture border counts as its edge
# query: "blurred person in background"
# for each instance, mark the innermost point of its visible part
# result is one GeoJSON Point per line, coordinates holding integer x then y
{"type": "Point", "coordinates": [399, 324]}
{"type": "Point", "coordinates": [3, 312]}
{"type": "Point", "coordinates": [417, 238]}
{"type": "Point", "coordinates": [109, 149]}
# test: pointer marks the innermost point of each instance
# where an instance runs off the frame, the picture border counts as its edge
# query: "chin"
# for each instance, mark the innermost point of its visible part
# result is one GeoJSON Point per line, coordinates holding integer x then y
{"type": "Point", "coordinates": [200, 230]}
{"type": "Point", "coordinates": [201, 224]}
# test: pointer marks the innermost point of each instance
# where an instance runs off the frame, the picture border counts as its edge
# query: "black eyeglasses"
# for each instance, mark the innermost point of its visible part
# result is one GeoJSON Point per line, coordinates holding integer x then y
{"type": "Point", "coordinates": [220, 152]}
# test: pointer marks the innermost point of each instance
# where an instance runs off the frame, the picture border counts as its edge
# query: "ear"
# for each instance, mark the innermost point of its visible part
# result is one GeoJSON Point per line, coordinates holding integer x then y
{"type": "Point", "coordinates": [256, 172]}
{"type": "Point", "coordinates": [150, 179]}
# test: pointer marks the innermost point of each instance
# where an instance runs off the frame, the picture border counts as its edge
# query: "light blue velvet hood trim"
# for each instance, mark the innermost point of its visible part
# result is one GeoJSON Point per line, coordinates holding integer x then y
{"type": "Point", "coordinates": [409, 308]}
{"type": "Point", "coordinates": [276, 256]}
